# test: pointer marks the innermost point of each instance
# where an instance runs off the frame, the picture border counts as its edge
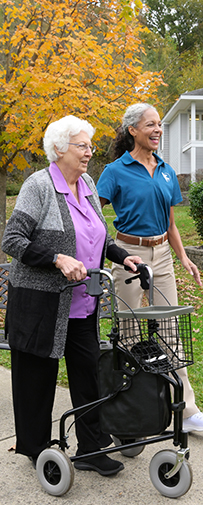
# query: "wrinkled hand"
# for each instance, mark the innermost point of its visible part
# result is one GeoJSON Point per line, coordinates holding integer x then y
{"type": "Point", "coordinates": [192, 269]}
{"type": "Point", "coordinates": [130, 262]}
{"type": "Point", "coordinates": [73, 269]}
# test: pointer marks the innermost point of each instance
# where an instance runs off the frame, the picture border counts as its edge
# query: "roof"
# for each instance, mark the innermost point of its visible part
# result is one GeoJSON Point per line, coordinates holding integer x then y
{"type": "Point", "coordinates": [194, 92]}
{"type": "Point", "coordinates": [183, 104]}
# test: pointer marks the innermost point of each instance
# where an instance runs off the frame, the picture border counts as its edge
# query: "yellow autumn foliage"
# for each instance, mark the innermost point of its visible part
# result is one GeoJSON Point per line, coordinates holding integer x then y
{"type": "Point", "coordinates": [67, 57]}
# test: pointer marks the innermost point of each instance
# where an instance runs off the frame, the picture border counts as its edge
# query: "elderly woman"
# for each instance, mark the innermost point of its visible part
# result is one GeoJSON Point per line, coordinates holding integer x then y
{"type": "Point", "coordinates": [56, 232]}
{"type": "Point", "coordinates": [143, 190]}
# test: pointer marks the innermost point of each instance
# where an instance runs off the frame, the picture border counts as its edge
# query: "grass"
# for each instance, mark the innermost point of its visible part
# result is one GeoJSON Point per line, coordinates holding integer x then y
{"type": "Point", "coordinates": [10, 203]}
{"type": "Point", "coordinates": [189, 293]}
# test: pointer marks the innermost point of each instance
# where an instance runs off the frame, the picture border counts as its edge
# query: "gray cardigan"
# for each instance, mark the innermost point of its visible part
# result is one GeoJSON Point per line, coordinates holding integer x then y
{"type": "Point", "coordinates": [41, 226]}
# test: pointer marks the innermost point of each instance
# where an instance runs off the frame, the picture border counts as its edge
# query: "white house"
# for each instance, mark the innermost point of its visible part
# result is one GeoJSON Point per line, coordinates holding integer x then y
{"type": "Point", "coordinates": [182, 141]}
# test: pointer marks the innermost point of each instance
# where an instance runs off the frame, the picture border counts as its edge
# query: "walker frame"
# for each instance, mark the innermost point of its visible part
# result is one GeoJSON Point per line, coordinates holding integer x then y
{"type": "Point", "coordinates": [160, 340]}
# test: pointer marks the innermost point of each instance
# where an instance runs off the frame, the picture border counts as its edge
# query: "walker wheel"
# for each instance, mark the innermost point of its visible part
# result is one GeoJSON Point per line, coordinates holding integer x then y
{"type": "Point", "coordinates": [133, 451]}
{"type": "Point", "coordinates": [175, 486]}
{"type": "Point", "coordinates": [55, 471]}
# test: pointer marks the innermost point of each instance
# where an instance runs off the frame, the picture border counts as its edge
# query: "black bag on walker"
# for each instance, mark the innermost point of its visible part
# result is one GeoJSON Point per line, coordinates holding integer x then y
{"type": "Point", "coordinates": [142, 406]}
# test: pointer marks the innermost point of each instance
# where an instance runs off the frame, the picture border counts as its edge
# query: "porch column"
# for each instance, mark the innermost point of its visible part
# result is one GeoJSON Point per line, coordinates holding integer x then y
{"type": "Point", "coordinates": [193, 142]}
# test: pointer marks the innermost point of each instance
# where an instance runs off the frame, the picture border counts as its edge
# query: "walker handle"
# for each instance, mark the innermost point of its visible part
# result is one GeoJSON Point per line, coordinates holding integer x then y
{"type": "Point", "coordinates": [143, 275]}
{"type": "Point", "coordinates": [93, 285]}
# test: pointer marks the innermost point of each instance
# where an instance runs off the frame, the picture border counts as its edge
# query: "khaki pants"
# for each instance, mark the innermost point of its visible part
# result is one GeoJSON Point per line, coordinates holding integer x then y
{"type": "Point", "coordinates": [159, 258]}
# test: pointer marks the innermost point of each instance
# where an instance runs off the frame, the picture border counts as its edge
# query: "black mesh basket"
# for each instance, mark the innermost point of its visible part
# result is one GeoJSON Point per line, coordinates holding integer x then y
{"type": "Point", "coordinates": [159, 338]}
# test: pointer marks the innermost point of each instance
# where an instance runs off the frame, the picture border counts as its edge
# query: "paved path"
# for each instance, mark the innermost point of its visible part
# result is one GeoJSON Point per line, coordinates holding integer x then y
{"type": "Point", "coordinates": [19, 484]}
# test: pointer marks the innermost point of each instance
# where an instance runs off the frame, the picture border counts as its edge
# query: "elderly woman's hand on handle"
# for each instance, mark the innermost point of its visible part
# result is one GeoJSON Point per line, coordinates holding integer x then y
{"type": "Point", "coordinates": [71, 268]}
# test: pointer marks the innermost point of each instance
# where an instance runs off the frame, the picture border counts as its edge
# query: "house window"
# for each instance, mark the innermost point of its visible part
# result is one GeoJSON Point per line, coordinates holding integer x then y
{"type": "Point", "coordinates": [198, 127]}
{"type": "Point", "coordinates": [201, 122]}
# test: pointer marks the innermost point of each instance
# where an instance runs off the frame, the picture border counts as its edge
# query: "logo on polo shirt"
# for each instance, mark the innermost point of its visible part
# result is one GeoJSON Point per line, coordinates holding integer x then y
{"type": "Point", "coordinates": [166, 176]}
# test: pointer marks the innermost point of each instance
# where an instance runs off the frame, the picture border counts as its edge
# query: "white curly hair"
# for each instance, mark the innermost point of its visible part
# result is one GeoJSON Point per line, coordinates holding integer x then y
{"type": "Point", "coordinates": [59, 132]}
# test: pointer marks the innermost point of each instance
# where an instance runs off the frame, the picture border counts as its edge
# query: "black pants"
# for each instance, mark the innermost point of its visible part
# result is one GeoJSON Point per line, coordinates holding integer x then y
{"type": "Point", "coordinates": [34, 384]}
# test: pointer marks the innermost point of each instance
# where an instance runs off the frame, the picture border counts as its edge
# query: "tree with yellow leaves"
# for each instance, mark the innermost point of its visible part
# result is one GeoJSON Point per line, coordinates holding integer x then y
{"type": "Point", "coordinates": [66, 57]}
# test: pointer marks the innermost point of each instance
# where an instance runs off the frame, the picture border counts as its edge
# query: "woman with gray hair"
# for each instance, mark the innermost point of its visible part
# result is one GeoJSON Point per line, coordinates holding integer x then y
{"type": "Point", "coordinates": [55, 234]}
{"type": "Point", "coordinates": [143, 190]}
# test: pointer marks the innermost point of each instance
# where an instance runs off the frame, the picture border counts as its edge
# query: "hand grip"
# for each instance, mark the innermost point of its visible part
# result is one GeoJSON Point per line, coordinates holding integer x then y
{"type": "Point", "coordinates": [93, 285]}
{"type": "Point", "coordinates": [142, 273]}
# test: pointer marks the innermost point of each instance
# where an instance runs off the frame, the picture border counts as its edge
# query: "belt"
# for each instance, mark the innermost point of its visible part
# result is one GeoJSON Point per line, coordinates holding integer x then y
{"type": "Point", "coordinates": [146, 242]}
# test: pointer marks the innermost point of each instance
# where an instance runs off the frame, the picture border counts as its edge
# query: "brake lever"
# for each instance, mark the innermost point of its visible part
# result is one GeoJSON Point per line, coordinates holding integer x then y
{"type": "Point", "coordinates": [128, 281]}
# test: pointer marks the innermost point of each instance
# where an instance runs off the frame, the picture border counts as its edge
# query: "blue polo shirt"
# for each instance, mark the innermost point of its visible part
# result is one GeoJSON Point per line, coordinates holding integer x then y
{"type": "Point", "coordinates": [142, 203]}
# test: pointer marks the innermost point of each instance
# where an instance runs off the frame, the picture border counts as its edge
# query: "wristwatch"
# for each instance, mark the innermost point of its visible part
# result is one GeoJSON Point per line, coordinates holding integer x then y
{"type": "Point", "coordinates": [55, 258]}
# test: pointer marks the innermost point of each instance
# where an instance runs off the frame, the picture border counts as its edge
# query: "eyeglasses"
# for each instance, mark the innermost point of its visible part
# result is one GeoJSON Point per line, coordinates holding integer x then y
{"type": "Point", "coordinates": [84, 147]}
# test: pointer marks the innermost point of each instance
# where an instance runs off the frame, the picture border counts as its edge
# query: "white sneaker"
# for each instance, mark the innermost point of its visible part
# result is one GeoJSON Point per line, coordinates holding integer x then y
{"type": "Point", "coordinates": [193, 423]}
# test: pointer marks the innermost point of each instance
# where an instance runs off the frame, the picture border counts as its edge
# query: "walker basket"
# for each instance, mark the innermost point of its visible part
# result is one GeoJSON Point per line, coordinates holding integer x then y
{"type": "Point", "coordinates": [158, 338]}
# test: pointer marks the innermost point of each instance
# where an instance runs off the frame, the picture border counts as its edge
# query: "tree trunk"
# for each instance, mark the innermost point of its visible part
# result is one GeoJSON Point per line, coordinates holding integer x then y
{"type": "Point", "coordinates": [2, 210]}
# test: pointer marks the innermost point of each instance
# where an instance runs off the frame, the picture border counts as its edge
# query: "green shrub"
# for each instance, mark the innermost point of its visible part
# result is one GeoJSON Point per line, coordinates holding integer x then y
{"type": "Point", "coordinates": [196, 205]}
{"type": "Point", "coordinates": [13, 188]}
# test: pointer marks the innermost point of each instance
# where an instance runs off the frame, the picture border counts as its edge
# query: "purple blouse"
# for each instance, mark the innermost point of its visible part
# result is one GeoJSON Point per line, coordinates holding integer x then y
{"type": "Point", "coordinates": [90, 237]}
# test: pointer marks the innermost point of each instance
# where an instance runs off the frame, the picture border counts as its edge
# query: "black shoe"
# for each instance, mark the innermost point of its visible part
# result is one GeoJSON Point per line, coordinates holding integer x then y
{"type": "Point", "coordinates": [101, 464]}
{"type": "Point", "coordinates": [33, 461]}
